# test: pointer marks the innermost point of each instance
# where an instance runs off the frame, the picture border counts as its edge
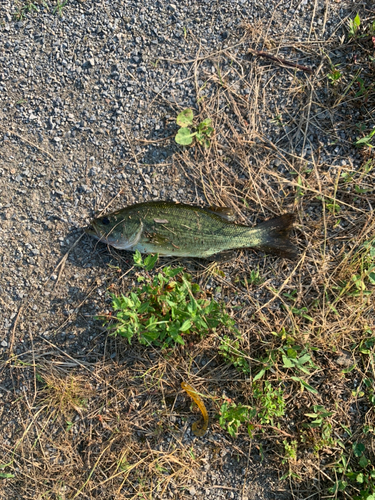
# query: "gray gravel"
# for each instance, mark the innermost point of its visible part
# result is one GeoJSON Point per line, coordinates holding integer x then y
{"type": "Point", "coordinates": [76, 92]}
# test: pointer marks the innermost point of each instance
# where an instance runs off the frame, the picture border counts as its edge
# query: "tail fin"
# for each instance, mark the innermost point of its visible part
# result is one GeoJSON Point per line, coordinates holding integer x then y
{"type": "Point", "coordinates": [274, 234]}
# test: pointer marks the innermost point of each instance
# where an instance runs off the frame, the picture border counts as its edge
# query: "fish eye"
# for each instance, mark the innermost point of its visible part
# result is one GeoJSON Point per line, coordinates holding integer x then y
{"type": "Point", "coordinates": [105, 221]}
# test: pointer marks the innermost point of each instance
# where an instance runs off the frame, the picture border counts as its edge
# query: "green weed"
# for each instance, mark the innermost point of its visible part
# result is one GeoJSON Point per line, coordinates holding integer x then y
{"type": "Point", "coordinates": [290, 451]}
{"type": "Point", "coordinates": [334, 75]}
{"type": "Point", "coordinates": [330, 204]}
{"type": "Point", "coordinates": [320, 420]}
{"type": "Point", "coordinates": [25, 9]}
{"type": "Point", "coordinates": [354, 25]}
{"type": "Point", "coordinates": [253, 279]}
{"type": "Point", "coordinates": [294, 359]}
{"type": "Point", "coordinates": [365, 141]}
{"type": "Point", "coordinates": [163, 308]}
{"type": "Point", "coordinates": [357, 474]}
{"type": "Point", "coordinates": [233, 415]}
{"type": "Point", "coordinates": [271, 402]}
{"type": "Point", "coordinates": [278, 120]}
{"type": "Point", "coordinates": [186, 134]}
{"type": "Point", "coordinates": [59, 7]}
{"type": "Point", "coordinates": [360, 273]}
{"type": "Point", "coordinates": [232, 354]}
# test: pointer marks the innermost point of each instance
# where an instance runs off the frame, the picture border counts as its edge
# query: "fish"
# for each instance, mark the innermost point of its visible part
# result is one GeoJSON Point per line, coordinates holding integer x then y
{"type": "Point", "coordinates": [179, 230]}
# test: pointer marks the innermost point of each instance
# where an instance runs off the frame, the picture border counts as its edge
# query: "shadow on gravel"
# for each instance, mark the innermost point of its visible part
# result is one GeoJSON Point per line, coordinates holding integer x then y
{"type": "Point", "coordinates": [159, 153]}
{"type": "Point", "coordinates": [158, 150]}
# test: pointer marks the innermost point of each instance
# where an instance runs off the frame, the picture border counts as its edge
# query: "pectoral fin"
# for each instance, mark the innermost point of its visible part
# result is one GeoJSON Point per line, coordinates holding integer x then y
{"type": "Point", "coordinates": [223, 212]}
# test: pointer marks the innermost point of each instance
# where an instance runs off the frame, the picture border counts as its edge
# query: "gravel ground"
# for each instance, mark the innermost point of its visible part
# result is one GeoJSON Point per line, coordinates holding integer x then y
{"type": "Point", "coordinates": [79, 92]}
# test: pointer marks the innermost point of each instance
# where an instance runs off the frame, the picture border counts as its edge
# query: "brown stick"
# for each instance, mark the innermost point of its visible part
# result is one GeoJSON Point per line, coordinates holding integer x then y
{"type": "Point", "coordinates": [281, 61]}
{"type": "Point", "coordinates": [32, 144]}
{"type": "Point", "coordinates": [156, 140]}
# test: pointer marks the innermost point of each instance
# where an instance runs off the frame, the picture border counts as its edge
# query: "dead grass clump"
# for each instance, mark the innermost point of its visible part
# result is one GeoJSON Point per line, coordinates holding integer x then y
{"type": "Point", "coordinates": [63, 393]}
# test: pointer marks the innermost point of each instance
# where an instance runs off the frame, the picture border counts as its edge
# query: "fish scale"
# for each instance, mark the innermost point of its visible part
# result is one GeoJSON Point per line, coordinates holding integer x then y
{"type": "Point", "coordinates": [173, 229]}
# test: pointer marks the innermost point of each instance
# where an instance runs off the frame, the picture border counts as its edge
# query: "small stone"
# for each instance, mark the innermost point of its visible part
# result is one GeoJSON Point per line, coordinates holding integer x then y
{"type": "Point", "coordinates": [4, 343]}
{"type": "Point", "coordinates": [344, 359]}
{"type": "Point", "coordinates": [192, 491]}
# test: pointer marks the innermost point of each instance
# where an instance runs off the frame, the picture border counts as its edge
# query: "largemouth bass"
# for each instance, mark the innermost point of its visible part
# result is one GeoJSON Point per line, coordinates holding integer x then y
{"type": "Point", "coordinates": [172, 229]}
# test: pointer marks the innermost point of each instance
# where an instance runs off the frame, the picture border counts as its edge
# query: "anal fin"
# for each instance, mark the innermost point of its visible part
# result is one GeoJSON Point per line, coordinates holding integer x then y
{"type": "Point", "coordinates": [224, 256]}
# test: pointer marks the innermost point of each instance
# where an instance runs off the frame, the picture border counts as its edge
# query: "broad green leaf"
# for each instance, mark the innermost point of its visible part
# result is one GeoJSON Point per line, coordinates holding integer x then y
{"type": "Point", "coordinates": [305, 384]}
{"type": "Point", "coordinates": [185, 326]}
{"type": "Point", "coordinates": [204, 124]}
{"type": "Point", "coordinates": [171, 273]}
{"type": "Point", "coordinates": [179, 340]}
{"type": "Point", "coordinates": [360, 478]}
{"type": "Point", "coordinates": [184, 137]}
{"type": "Point", "coordinates": [357, 21]}
{"type": "Point", "coordinates": [292, 353]}
{"type": "Point", "coordinates": [259, 375]}
{"type": "Point", "coordinates": [150, 261]}
{"type": "Point", "coordinates": [288, 363]}
{"type": "Point", "coordinates": [185, 118]}
{"type": "Point", "coordinates": [358, 449]}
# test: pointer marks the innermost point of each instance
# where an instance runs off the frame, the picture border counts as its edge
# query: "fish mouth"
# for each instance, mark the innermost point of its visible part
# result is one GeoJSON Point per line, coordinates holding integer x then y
{"type": "Point", "coordinates": [93, 231]}
{"type": "Point", "coordinates": [90, 230]}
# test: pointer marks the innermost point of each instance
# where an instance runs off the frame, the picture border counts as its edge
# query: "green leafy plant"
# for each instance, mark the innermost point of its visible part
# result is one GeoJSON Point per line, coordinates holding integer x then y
{"type": "Point", "coordinates": [163, 308]}
{"type": "Point", "coordinates": [357, 474]}
{"type": "Point", "coordinates": [278, 120]}
{"type": "Point", "coordinates": [270, 405]}
{"type": "Point", "coordinates": [366, 268]}
{"type": "Point", "coordinates": [354, 25]}
{"type": "Point", "coordinates": [299, 311]}
{"type": "Point", "coordinates": [233, 415]}
{"type": "Point", "coordinates": [188, 132]}
{"type": "Point", "coordinates": [294, 358]}
{"type": "Point", "coordinates": [59, 7]}
{"type": "Point", "coordinates": [331, 204]}
{"type": "Point", "coordinates": [231, 352]}
{"type": "Point", "coordinates": [360, 273]}
{"type": "Point", "coordinates": [26, 8]}
{"type": "Point", "coordinates": [362, 88]}
{"type": "Point", "coordinates": [319, 418]}
{"type": "Point", "coordinates": [335, 74]}
{"type": "Point", "coordinates": [267, 364]}
{"type": "Point", "coordinates": [366, 141]}
{"type": "Point", "coordinates": [253, 279]}
{"type": "Point", "coordinates": [290, 451]}
{"type": "Point", "coordinates": [299, 362]}
{"type": "Point", "coordinates": [319, 415]}
{"type": "Point", "coordinates": [271, 402]}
